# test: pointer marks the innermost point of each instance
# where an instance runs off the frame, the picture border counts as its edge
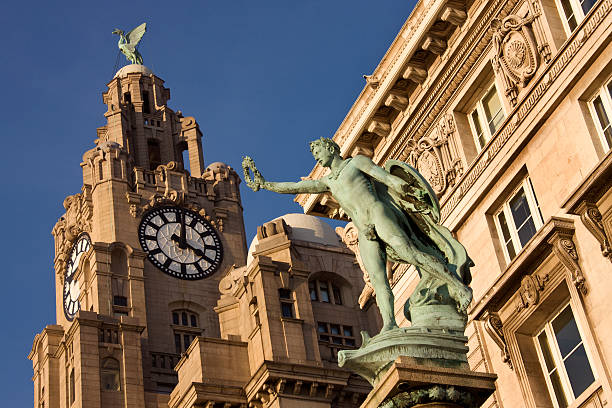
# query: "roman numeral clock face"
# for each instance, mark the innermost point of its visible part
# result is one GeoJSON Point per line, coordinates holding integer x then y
{"type": "Point", "coordinates": [180, 242]}
{"type": "Point", "coordinates": [71, 283]}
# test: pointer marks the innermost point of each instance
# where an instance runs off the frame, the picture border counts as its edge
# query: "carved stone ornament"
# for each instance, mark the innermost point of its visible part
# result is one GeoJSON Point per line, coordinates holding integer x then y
{"type": "Point", "coordinates": [493, 326]}
{"type": "Point", "coordinates": [593, 221]}
{"type": "Point", "coordinates": [77, 219]}
{"type": "Point", "coordinates": [529, 292]}
{"type": "Point", "coordinates": [565, 249]}
{"type": "Point", "coordinates": [516, 55]}
{"type": "Point", "coordinates": [435, 157]}
{"type": "Point", "coordinates": [431, 395]}
{"type": "Point", "coordinates": [349, 236]}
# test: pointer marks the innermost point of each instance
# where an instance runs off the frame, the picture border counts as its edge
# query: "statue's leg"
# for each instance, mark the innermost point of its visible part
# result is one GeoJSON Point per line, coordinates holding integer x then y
{"type": "Point", "coordinates": [390, 232]}
{"type": "Point", "coordinates": [374, 259]}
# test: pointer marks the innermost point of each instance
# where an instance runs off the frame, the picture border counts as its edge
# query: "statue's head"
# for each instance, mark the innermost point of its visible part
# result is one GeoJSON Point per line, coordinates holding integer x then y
{"type": "Point", "coordinates": [324, 150]}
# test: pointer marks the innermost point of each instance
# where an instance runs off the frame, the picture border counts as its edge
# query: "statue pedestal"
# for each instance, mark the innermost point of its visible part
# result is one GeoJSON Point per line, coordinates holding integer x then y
{"type": "Point", "coordinates": [408, 384]}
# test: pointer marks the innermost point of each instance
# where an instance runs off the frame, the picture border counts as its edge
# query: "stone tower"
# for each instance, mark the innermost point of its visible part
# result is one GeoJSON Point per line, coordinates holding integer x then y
{"type": "Point", "coordinates": [139, 255]}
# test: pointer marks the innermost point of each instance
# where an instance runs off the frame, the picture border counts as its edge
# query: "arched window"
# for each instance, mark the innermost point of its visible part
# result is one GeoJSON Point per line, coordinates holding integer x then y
{"type": "Point", "coordinates": [186, 328]}
{"type": "Point", "coordinates": [324, 290]}
{"type": "Point", "coordinates": [109, 375]}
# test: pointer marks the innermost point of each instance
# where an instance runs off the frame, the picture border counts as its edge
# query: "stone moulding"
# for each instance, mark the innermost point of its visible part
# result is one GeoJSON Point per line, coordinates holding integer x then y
{"type": "Point", "coordinates": [524, 107]}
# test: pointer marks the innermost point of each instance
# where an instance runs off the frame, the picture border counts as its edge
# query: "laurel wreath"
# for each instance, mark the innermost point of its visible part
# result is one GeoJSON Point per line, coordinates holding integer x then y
{"type": "Point", "coordinates": [248, 166]}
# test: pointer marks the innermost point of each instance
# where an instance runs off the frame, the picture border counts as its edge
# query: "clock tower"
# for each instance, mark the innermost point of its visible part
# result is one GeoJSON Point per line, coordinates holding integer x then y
{"type": "Point", "coordinates": [139, 254]}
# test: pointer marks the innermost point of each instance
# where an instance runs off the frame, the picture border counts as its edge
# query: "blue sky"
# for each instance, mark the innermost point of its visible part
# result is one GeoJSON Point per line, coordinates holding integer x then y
{"type": "Point", "coordinates": [262, 78]}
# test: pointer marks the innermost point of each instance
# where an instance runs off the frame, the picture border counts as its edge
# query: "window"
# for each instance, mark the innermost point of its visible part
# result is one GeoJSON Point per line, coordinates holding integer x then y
{"type": "Point", "coordinates": [325, 291]}
{"type": "Point", "coordinates": [186, 329]}
{"type": "Point", "coordinates": [573, 12]}
{"type": "Point", "coordinates": [286, 302]}
{"type": "Point", "coordinates": [564, 359]}
{"type": "Point", "coordinates": [146, 104]}
{"type": "Point", "coordinates": [518, 219]}
{"type": "Point", "coordinates": [109, 375]}
{"type": "Point", "coordinates": [486, 118]}
{"type": "Point", "coordinates": [71, 387]}
{"type": "Point", "coordinates": [601, 109]}
{"type": "Point", "coordinates": [336, 334]}
{"type": "Point", "coordinates": [154, 153]}
{"type": "Point", "coordinates": [120, 301]}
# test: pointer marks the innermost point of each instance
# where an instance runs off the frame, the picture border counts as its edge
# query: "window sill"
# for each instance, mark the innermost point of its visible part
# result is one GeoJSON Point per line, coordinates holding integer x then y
{"type": "Point", "coordinates": [292, 319]}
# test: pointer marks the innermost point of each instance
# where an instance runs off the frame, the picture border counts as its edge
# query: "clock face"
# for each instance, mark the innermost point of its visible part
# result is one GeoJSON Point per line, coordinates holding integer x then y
{"type": "Point", "coordinates": [180, 242]}
{"type": "Point", "coordinates": [71, 284]}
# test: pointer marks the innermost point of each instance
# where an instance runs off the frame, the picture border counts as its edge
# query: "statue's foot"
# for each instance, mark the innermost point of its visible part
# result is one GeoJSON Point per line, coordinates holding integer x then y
{"type": "Point", "coordinates": [388, 326]}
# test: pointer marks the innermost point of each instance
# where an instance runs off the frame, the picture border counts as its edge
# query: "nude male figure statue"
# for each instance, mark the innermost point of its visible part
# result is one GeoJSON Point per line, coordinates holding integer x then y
{"type": "Point", "coordinates": [382, 206]}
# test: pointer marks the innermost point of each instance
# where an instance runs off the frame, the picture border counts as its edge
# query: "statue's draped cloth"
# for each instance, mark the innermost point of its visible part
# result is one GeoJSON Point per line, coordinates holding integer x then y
{"type": "Point", "coordinates": [420, 217]}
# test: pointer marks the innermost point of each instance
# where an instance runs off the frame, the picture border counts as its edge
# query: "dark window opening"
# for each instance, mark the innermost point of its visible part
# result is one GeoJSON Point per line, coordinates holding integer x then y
{"type": "Point", "coordinates": [146, 104]}
{"type": "Point", "coordinates": [154, 153]}
{"type": "Point", "coordinates": [120, 301]}
{"type": "Point", "coordinates": [127, 97]}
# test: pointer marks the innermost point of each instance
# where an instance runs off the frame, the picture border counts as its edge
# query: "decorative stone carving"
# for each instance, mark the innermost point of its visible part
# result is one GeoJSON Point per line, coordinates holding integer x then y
{"type": "Point", "coordinates": [435, 158]}
{"type": "Point", "coordinates": [564, 248]}
{"type": "Point", "coordinates": [529, 292]}
{"type": "Point", "coordinates": [516, 56]}
{"type": "Point", "coordinates": [494, 327]}
{"type": "Point", "coordinates": [593, 221]}
{"type": "Point", "coordinates": [431, 395]}
{"type": "Point", "coordinates": [77, 219]}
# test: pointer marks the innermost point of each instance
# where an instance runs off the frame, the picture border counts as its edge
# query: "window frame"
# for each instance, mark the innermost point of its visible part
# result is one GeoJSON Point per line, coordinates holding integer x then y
{"type": "Point", "coordinates": [340, 335]}
{"type": "Point", "coordinates": [182, 330]}
{"type": "Point", "coordinates": [577, 12]}
{"type": "Point", "coordinates": [482, 118]}
{"type": "Point", "coordinates": [333, 289]}
{"type": "Point", "coordinates": [605, 94]}
{"type": "Point", "coordinates": [534, 209]}
{"type": "Point", "coordinates": [558, 358]}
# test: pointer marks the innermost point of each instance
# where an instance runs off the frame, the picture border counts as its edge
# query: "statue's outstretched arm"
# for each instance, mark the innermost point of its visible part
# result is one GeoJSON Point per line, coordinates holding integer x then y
{"type": "Point", "coordinates": [257, 181]}
{"type": "Point", "coordinates": [304, 186]}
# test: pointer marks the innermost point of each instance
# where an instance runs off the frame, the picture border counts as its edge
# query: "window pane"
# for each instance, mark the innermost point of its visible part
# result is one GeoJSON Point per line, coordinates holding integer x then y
{"type": "Point", "coordinates": [187, 340]}
{"type": "Point", "coordinates": [324, 338]}
{"type": "Point", "coordinates": [603, 118]}
{"type": "Point", "coordinates": [175, 319]}
{"type": "Point", "coordinates": [194, 322]}
{"type": "Point", "coordinates": [587, 5]}
{"type": "Point", "coordinates": [348, 331]}
{"type": "Point", "coordinates": [507, 238]}
{"type": "Point", "coordinates": [335, 329]}
{"type": "Point", "coordinates": [522, 217]}
{"type": "Point", "coordinates": [177, 343]}
{"type": "Point", "coordinates": [558, 389]}
{"type": "Point", "coordinates": [287, 309]}
{"type": "Point", "coordinates": [543, 340]}
{"type": "Point", "coordinates": [284, 293]}
{"type": "Point", "coordinates": [184, 319]}
{"type": "Point", "coordinates": [322, 327]}
{"type": "Point", "coordinates": [313, 290]}
{"type": "Point", "coordinates": [493, 110]}
{"type": "Point", "coordinates": [569, 14]}
{"type": "Point", "coordinates": [478, 128]}
{"type": "Point", "coordinates": [324, 292]}
{"type": "Point", "coordinates": [566, 332]}
{"type": "Point", "coordinates": [337, 295]}
{"type": "Point", "coordinates": [349, 342]}
{"type": "Point", "coordinates": [579, 371]}
{"type": "Point", "coordinates": [336, 340]}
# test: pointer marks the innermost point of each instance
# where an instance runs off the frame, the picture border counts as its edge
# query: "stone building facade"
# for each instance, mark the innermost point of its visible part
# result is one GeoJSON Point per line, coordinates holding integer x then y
{"type": "Point", "coordinates": [157, 302]}
{"type": "Point", "coordinates": [506, 108]}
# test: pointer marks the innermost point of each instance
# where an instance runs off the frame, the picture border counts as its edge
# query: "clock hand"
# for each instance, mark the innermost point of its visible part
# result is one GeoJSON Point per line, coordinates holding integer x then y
{"type": "Point", "coordinates": [183, 241]}
{"type": "Point", "coordinates": [195, 250]}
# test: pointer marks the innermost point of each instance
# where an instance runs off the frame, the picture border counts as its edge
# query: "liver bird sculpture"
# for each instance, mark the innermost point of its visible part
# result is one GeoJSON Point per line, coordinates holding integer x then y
{"type": "Point", "coordinates": [128, 43]}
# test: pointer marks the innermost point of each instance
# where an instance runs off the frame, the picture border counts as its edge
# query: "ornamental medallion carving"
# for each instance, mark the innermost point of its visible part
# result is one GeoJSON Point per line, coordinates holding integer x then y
{"type": "Point", "coordinates": [516, 53]}
{"type": "Point", "coordinates": [436, 156]}
{"type": "Point", "coordinates": [529, 292]}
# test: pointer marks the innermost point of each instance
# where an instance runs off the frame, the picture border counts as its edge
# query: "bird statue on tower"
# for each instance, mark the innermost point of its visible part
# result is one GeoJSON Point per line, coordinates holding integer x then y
{"type": "Point", "coordinates": [128, 43]}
